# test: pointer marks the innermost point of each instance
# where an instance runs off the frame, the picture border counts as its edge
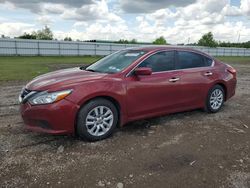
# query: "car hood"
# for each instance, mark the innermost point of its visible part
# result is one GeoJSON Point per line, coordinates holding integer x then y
{"type": "Point", "coordinates": [62, 78]}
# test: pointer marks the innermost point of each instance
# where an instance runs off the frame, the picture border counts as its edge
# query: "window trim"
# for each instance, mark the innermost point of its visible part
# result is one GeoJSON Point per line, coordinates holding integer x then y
{"type": "Point", "coordinates": [175, 60]}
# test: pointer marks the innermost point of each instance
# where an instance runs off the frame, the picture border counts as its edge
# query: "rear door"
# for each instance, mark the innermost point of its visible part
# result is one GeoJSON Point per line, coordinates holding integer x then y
{"type": "Point", "coordinates": [196, 74]}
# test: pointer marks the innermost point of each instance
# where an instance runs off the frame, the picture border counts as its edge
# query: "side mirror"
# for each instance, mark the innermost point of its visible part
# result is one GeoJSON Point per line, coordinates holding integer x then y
{"type": "Point", "coordinates": [143, 71]}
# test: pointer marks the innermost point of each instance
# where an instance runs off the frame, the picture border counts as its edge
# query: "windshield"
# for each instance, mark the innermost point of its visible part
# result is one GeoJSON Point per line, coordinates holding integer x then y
{"type": "Point", "coordinates": [116, 62]}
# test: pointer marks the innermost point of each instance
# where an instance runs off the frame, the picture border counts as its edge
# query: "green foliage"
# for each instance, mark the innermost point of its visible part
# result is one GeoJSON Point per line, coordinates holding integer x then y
{"type": "Point", "coordinates": [125, 41]}
{"type": "Point", "coordinates": [208, 40]}
{"type": "Point", "coordinates": [236, 45]}
{"type": "Point", "coordinates": [27, 36]}
{"type": "Point", "coordinates": [67, 39]}
{"type": "Point", "coordinates": [44, 34]}
{"type": "Point", "coordinates": [133, 41]}
{"type": "Point", "coordinates": [160, 40]}
{"type": "Point", "coordinates": [122, 41]}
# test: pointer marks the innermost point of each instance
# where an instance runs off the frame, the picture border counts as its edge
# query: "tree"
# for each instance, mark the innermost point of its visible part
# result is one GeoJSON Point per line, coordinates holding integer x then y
{"type": "Point", "coordinates": [28, 36]}
{"type": "Point", "coordinates": [236, 45]}
{"type": "Point", "coordinates": [160, 40]}
{"type": "Point", "coordinates": [122, 41]}
{"type": "Point", "coordinates": [207, 40]}
{"type": "Point", "coordinates": [67, 39]}
{"type": "Point", "coordinates": [125, 41]}
{"type": "Point", "coordinates": [44, 34]}
{"type": "Point", "coordinates": [4, 36]}
{"type": "Point", "coordinates": [133, 41]}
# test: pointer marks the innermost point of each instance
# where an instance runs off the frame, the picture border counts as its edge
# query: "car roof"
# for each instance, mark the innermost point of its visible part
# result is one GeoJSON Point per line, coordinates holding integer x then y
{"type": "Point", "coordinates": [153, 48]}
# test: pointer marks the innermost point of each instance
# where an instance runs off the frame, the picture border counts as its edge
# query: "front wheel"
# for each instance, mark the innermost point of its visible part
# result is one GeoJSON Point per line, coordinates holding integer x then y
{"type": "Point", "coordinates": [97, 120]}
{"type": "Point", "coordinates": [215, 99]}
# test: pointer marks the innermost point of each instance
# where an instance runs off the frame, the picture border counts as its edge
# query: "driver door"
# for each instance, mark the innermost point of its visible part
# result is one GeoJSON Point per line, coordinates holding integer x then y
{"type": "Point", "coordinates": [157, 93]}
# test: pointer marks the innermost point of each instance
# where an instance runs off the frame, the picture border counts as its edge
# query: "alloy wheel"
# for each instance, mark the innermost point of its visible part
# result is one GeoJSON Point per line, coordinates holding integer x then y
{"type": "Point", "coordinates": [216, 99]}
{"type": "Point", "coordinates": [99, 120]}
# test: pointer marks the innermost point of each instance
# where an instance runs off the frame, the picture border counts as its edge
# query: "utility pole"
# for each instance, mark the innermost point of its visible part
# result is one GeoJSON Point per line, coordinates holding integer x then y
{"type": "Point", "coordinates": [239, 37]}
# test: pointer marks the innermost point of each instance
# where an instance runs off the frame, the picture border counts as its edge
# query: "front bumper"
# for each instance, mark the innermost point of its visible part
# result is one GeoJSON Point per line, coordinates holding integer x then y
{"type": "Point", "coordinates": [56, 118]}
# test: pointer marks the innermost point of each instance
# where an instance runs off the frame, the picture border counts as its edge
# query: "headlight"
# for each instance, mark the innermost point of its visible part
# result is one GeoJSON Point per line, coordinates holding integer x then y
{"type": "Point", "coordinates": [48, 98]}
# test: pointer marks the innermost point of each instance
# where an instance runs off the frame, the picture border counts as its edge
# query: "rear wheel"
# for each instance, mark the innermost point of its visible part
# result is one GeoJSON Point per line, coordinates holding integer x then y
{"type": "Point", "coordinates": [215, 99]}
{"type": "Point", "coordinates": [97, 120]}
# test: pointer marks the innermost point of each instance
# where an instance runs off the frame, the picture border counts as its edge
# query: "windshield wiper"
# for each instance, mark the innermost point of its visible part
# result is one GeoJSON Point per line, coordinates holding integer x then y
{"type": "Point", "coordinates": [86, 69]}
{"type": "Point", "coordinates": [91, 70]}
{"type": "Point", "coordinates": [82, 67]}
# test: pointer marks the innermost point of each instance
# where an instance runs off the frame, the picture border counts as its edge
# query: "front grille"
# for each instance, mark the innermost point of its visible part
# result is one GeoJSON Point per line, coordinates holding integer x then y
{"type": "Point", "coordinates": [37, 123]}
{"type": "Point", "coordinates": [43, 124]}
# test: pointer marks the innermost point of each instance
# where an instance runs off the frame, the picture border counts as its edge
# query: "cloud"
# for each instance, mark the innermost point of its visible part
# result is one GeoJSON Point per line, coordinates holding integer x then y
{"type": "Point", "coordinates": [148, 6]}
{"type": "Point", "coordinates": [79, 10]}
{"type": "Point", "coordinates": [35, 5]}
{"type": "Point", "coordinates": [213, 5]}
{"type": "Point", "coordinates": [201, 12]}
{"type": "Point", "coordinates": [192, 21]}
{"type": "Point", "coordinates": [98, 31]}
{"type": "Point", "coordinates": [245, 7]}
{"type": "Point", "coordinates": [13, 29]}
{"type": "Point", "coordinates": [178, 21]}
{"type": "Point", "coordinates": [50, 8]}
{"type": "Point", "coordinates": [96, 11]}
{"type": "Point", "coordinates": [45, 20]}
{"type": "Point", "coordinates": [80, 24]}
{"type": "Point", "coordinates": [183, 31]}
{"type": "Point", "coordinates": [231, 11]}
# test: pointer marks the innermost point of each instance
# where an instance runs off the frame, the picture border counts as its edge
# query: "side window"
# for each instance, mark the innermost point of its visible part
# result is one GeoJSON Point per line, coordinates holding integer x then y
{"type": "Point", "coordinates": [208, 61]}
{"type": "Point", "coordinates": [162, 61]}
{"type": "Point", "coordinates": [190, 60]}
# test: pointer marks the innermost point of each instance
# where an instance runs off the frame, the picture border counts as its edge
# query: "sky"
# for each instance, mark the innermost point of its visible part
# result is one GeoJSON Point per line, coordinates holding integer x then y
{"type": "Point", "coordinates": [179, 21]}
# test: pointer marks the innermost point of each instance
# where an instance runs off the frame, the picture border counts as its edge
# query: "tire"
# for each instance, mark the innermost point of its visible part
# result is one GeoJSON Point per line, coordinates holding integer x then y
{"type": "Point", "coordinates": [215, 99]}
{"type": "Point", "coordinates": [97, 120]}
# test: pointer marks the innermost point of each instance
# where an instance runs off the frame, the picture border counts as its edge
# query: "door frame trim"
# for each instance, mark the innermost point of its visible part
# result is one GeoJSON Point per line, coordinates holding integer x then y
{"type": "Point", "coordinates": [175, 52]}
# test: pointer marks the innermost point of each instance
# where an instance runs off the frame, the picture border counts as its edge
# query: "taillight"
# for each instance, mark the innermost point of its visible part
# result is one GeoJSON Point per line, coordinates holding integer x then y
{"type": "Point", "coordinates": [231, 70]}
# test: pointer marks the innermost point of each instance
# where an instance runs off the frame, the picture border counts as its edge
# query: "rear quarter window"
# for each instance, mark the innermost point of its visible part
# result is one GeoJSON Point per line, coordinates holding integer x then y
{"type": "Point", "coordinates": [187, 60]}
{"type": "Point", "coordinates": [208, 61]}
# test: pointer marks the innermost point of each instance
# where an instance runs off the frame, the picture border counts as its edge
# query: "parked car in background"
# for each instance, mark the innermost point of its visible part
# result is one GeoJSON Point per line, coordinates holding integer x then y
{"type": "Point", "coordinates": [128, 85]}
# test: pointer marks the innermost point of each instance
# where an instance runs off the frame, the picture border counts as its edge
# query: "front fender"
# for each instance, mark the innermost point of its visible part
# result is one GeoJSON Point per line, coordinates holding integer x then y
{"type": "Point", "coordinates": [112, 89]}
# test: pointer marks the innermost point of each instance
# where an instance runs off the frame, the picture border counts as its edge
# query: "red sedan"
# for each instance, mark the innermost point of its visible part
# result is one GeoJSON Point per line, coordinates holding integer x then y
{"type": "Point", "coordinates": [128, 85]}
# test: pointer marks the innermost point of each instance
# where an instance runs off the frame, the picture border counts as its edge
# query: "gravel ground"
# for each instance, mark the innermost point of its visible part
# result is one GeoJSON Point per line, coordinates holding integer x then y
{"type": "Point", "coordinates": [190, 149]}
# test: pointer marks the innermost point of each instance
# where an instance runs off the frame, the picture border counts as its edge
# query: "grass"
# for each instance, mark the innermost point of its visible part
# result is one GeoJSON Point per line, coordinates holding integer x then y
{"type": "Point", "coordinates": [26, 68]}
{"type": "Point", "coordinates": [234, 59]}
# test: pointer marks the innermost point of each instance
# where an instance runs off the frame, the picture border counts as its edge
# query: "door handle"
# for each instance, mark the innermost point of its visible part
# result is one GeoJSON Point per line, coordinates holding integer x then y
{"type": "Point", "coordinates": [174, 79]}
{"type": "Point", "coordinates": [208, 74]}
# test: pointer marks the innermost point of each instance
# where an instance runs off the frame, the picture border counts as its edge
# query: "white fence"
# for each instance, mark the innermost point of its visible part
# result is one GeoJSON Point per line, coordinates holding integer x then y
{"type": "Point", "coordinates": [24, 47]}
